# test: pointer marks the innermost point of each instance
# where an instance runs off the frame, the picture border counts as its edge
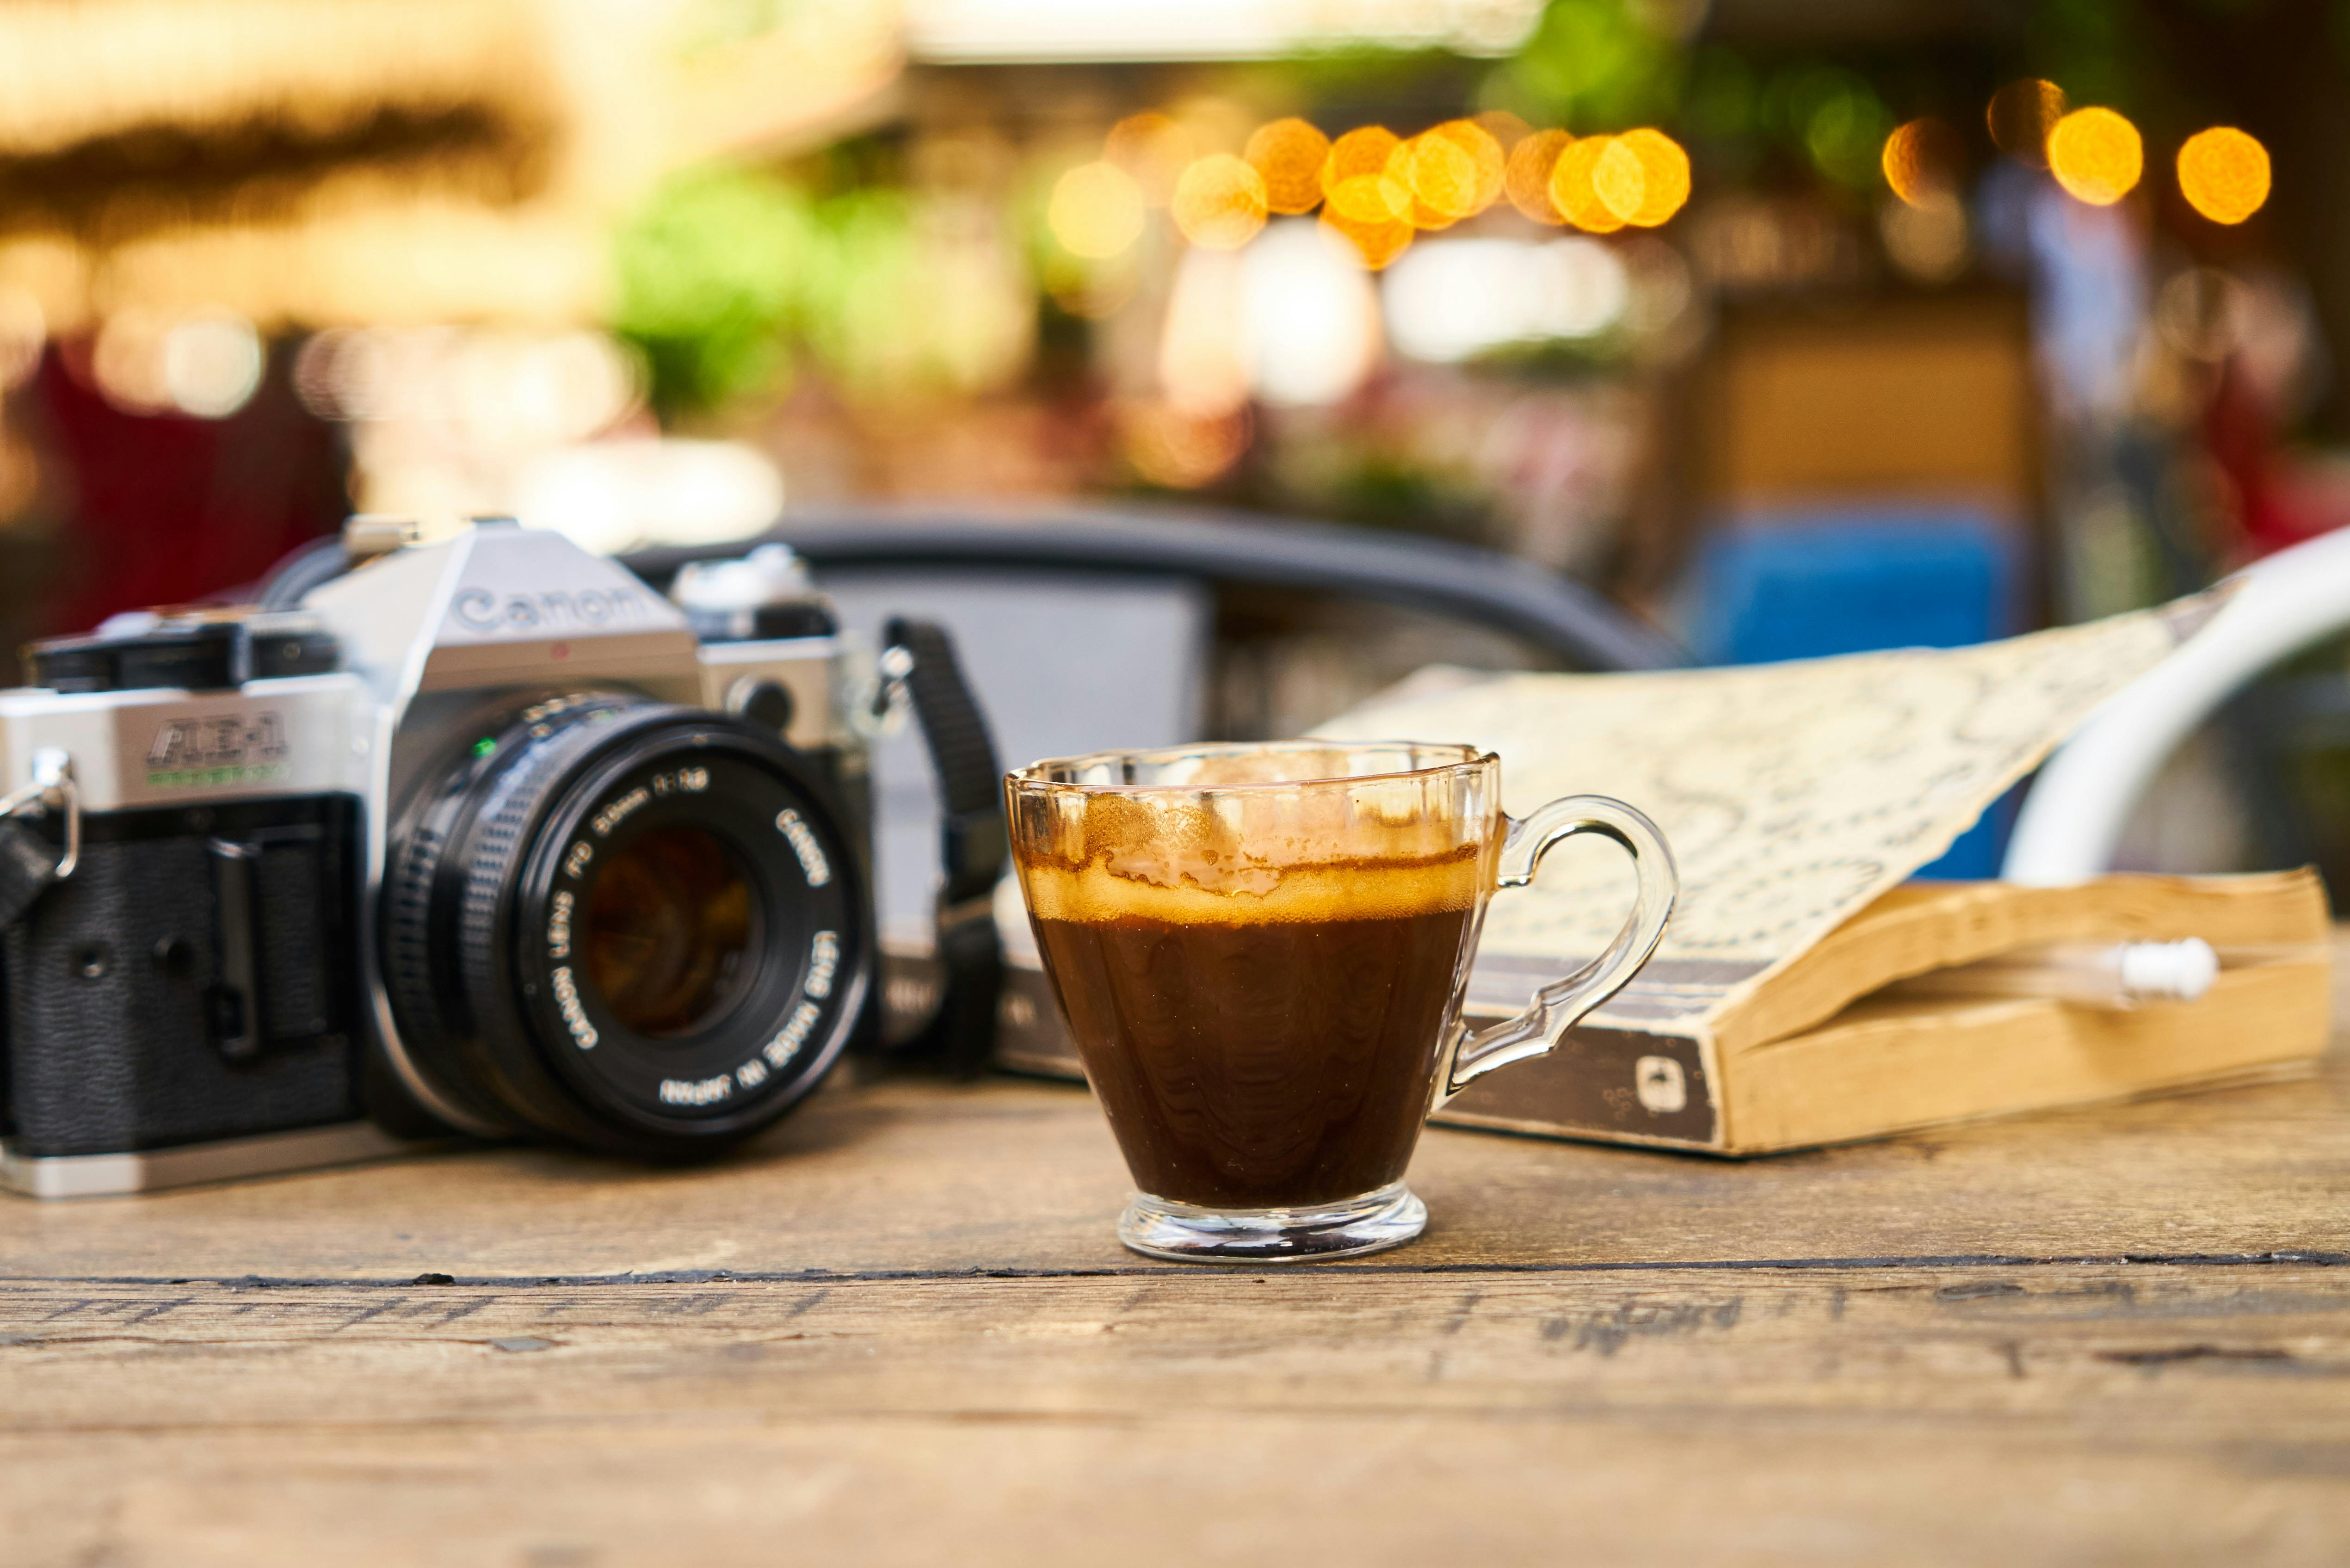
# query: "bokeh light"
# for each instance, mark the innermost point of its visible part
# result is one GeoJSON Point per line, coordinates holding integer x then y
{"type": "Point", "coordinates": [1926, 237]}
{"type": "Point", "coordinates": [1310, 316]}
{"type": "Point", "coordinates": [2224, 174]}
{"type": "Point", "coordinates": [1618, 179]}
{"type": "Point", "coordinates": [2097, 155]}
{"type": "Point", "coordinates": [1922, 159]}
{"type": "Point", "coordinates": [1570, 185]}
{"type": "Point", "coordinates": [617, 495]}
{"type": "Point", "coordinates": [1288, 155]}
{"type": "Point", "coordinates": [1455, 170]}
{"type": "Point", "coordinates": [1526, 178]}
{"type": "Point", "coordinates": [1180, 451]}
{"type": "Point", "coordinates": [1219, 202]}
{"type": "Point", "coordinates": [1153, 148]}
{"type": "Point", "coordinates": [1202, 338]}
{"type": "Point", "coordinates": [1377, 240]}
{"type": "Point", "coordinates": [24, 333]}
{"type": "Point", "coordinates": [1097, 211]}
{"type": "Point", "coordinates": [1453, 299]}
{"type": "Point", "coordinates": [1441, 178]}
{"type": "Point", "coordinates": [2021, 116]}
{"type": "Point", "coordinates": [1357, 182]}
{"type": "Point", "coordinates": [1664, 178]}
{"type": "Point", "coordinates": [212, 364]}
{"type": "Point", "coordinates": [126, 362]}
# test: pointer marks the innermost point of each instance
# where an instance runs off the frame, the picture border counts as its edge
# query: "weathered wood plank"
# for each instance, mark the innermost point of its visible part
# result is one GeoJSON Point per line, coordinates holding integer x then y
{"type": "Point", "coordinates": [2043, 1413]}
{"type": "Point", "coordinates": [1277, 1490]}
{"type": "Point", "coordinates": [2214, 1349]}
{"type": "Point", "coordinates": [1012, 1175]}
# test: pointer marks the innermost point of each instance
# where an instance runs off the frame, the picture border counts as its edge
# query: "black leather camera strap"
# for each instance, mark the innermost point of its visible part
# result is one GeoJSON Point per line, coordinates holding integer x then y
{"type": "Point", "coordinates": [30, 864]}
{"type": "Point", "coordinates": [28, 868]}
{"type": "Point", "coordinates": [973, 849]}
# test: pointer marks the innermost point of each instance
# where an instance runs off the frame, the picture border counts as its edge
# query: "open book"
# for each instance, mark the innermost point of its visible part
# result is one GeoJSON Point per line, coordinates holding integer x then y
{"type": "Point", "coordinates": [1798, 799]}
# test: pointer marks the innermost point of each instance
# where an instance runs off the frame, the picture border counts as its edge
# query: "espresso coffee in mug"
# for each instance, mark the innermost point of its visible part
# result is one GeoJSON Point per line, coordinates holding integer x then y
{"type": "Point", "coordinates": [1261, 952]}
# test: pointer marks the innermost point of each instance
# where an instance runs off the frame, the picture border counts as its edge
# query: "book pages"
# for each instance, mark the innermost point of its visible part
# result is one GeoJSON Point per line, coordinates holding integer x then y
{"type": "Point", "coordinates": [1793, 793]}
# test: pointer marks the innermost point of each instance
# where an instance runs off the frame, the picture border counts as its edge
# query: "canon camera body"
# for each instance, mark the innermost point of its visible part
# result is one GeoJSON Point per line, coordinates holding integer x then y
{"type": "Point", "coordinates": [481, 837]}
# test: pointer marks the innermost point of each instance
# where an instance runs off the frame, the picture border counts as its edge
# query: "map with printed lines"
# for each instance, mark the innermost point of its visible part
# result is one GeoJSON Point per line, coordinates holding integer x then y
{"type": "Point", "coordinates": [1792, 795]}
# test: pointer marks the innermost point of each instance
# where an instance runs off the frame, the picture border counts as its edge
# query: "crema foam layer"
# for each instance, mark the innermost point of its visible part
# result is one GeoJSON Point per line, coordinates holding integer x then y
{"type": "Point", "coordinates": [1342, 891]}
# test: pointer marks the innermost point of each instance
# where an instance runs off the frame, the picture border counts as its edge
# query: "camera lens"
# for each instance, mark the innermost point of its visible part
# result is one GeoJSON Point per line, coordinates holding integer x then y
{"type": "Point", "coordinates": [625, 924]}
{"type": "Point", "coordinates": [668, 931]}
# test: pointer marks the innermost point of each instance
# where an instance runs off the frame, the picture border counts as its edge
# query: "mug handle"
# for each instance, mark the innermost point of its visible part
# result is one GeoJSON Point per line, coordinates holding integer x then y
{"type": "Point", "coordinates": [1556, 1007]}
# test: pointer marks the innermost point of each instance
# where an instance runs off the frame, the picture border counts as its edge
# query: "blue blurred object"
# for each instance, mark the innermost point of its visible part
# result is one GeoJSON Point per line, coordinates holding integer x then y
{"type": "Point", "coordinates": [1800, 585]}
{"type": "Point", "coordinates": [1855, 580]}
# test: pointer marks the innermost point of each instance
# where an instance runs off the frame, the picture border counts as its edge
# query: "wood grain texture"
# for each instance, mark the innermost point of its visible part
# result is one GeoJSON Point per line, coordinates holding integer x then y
{"type": "Point", "coordinates": [901, 1333]}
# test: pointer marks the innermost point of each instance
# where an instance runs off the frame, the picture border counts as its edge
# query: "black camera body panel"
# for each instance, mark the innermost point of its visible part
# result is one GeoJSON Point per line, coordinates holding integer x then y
{"type": "Point", "coordinates": [194, 979]}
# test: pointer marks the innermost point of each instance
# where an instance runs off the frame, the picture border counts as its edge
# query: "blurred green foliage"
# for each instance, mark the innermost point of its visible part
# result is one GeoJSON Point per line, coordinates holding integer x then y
{"type": "Point", "coordinates": [726, 275]}
{"type": "Point", "coordinates": [1598, 65]}
{"type": "Point", "coordinates": [1835, 116]}
{"type": "Point", "coordinates": [711, 276]}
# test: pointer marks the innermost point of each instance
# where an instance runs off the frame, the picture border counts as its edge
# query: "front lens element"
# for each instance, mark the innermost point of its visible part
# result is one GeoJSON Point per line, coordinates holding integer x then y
{"type": "Point", "coordinates": [669, 938]}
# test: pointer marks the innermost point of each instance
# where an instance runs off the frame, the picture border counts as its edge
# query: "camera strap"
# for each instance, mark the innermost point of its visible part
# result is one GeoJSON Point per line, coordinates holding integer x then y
{"type": "Point", "coordinates": [30, 865]}
{"type": "Point", "coordinates": [973, 850]}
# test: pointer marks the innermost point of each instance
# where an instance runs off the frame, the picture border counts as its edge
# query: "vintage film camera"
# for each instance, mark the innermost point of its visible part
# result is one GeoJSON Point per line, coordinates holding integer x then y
{"type": "Point", "coordinates": [478, 837]}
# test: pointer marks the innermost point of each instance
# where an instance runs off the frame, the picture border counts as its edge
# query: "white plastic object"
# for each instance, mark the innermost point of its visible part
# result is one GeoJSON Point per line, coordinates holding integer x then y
{"type": "Point", "coordinates": [2168, 971]}
{"type": "Point", "coordinates": [2112, 975]}
{"type": "Point", "coordinates": [2072, 818]}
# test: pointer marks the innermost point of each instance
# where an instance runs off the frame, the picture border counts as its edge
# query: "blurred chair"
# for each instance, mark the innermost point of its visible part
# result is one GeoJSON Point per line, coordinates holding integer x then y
{"type": "Point", "coordinates": [2073, 819]}
{"type": "Point", "coordinates": [1805, 584]}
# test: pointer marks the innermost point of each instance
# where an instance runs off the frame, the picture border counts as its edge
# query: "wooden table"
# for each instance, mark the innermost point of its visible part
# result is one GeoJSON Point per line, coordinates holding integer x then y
{"type": "Point", "coordinates": [902, 1333]}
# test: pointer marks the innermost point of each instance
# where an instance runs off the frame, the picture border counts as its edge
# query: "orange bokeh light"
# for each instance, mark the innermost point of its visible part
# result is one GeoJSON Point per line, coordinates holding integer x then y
{"type": "Point", "coordinates": [1446, 167]}
{"type": "Point", "coordinates": [1288, 155]}
{"type": "Point", "coordinates": [2224, 174]}
{"type": "Point", "coordinates": [1356, 179]}
{"type": "Point", "coordinates": [1378, 240]}
{"type": "Point", "coordinates": [1572, 190]}
{"type": "Point", "coordinates": [1526, 179]}
{"type": "Point", "coordinates": [1664, 177]}
{"type": "Point", "coordinates": [1455, 170]}
{"type": "Point", "coordinates": [1922, 159]}
{"type": "Point", "coordinates": [2021, 116]}
{"type": "Point", "coordinates": [2097, 155]}
{"type": "Point", "coordinates": [1219, 202]}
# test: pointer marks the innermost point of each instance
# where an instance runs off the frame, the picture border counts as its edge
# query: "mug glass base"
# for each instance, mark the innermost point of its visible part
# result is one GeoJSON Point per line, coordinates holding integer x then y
{"type": "Point", "coordinates": [1160, 1228]}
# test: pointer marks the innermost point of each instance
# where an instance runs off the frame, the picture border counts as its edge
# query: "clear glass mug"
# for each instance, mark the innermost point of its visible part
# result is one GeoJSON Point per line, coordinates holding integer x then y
{"type": "Point", "coordinates": [1261, 952]}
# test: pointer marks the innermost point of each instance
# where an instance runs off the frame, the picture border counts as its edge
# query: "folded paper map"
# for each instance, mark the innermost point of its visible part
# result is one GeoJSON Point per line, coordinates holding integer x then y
{"type": "Point", "coordinates": [1792, 795]}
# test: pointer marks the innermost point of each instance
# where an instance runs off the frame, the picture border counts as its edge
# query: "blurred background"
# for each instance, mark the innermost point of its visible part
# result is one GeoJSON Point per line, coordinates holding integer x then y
{"type": "Point", "coordinates": [1795, 329]}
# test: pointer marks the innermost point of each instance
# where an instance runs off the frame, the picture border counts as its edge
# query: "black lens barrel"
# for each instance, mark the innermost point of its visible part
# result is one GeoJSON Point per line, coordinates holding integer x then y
{"type": "Point", "coordinates": [492, 874]}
